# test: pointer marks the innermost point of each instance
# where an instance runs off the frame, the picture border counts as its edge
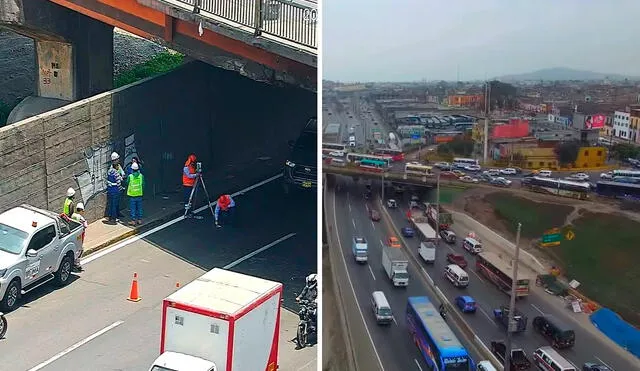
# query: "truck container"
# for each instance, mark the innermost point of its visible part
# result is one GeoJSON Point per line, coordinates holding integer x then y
{"type": "Point", "coordinates": [359, 249]}
{"type": "Point", "coordinates": [445, 218]}
{"type": "Point", "coordinates": [227, 318]}
{"type": "Point", "coordinates": [395, 264]}
{"type": "Point", "coordinates": [421, 223]}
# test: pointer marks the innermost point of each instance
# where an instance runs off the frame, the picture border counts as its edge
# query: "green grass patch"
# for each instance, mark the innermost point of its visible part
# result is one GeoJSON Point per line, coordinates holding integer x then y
{"type": "Point", "coordinates": [535, 217]}
{"type": "Point", "coordinates": [161, 63]}
{"type": "Point", "coordinates": [604, 258]}
{"type": "Point", "coordinates": [447, 194]}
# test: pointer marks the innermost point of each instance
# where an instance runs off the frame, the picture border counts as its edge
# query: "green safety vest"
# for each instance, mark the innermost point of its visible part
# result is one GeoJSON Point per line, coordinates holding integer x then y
{"type": "Point", "coordinates": [67, 207]}
{"type": "Point", "coordinates": [135, 185]}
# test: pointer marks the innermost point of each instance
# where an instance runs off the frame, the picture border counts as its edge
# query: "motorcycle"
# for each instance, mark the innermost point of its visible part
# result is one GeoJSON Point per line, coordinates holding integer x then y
{"type": "Point", "coordinates": [3, 325]}
{"type": "Point", "coordinates": [306, 326]}
{"type": "Point", "coordinates": [443, 313]}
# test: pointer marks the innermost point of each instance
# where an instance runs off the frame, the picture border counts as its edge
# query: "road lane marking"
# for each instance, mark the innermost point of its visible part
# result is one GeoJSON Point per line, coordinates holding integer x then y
{"type": "Point", "coordinates": [349, 206]}
{"type": "Point", "coordinates": [354, 223]}
{"type": "Point", "coordinates": [538, 309]}
{"type": "Point", "coordinates": [353, 290]}
{"type": "Point", "coordinates": [477, 275]}
{"type": "Point", "coordinates": [381, 244]}
{"type": "Point", "coordinates": [417, 364]}
{"type": "Point", "coordinates": [76, 346]}
{"type": "Point", "coordinates": [371, 270]}
{"type": "Point", "coordinates": [486, 315]}
{"type": "Point", "coordinates": [373, 225]}
{"type": "Point", "coordinates": [133, 239]}
{"type": "Point", "coordinates": [258, 251]}
{"type": "Point", "coordinates": [603, 362]}
{"type": "Point", "coordinates": [394, 320]}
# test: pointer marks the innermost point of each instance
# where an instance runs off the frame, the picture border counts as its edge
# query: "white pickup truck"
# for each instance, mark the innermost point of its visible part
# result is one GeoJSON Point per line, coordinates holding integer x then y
{"type": "Point", "coordinates": [36, 246]}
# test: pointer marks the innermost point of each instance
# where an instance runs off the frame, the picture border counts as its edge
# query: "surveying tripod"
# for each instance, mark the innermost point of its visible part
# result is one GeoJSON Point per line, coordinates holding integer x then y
{"type": "Point", "coordinates": [199, 181]}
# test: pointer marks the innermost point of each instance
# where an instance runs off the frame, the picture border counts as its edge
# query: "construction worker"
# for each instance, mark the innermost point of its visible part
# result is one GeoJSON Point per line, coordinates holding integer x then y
{"type": "Point", "coordinates": [225, 203]}
{"type": "Point", "coordinates": [78, 216]}
{"type": "Point", "coordinates": [69, 207]}
{"type": "Point", "coordinates": [134, 160]}
{"type": "Point", "coordinates": [189, 176]}
{"type": "Point", "coordinates": [135, 184]}
{"type": "Point", "coordinates": [115, 175]}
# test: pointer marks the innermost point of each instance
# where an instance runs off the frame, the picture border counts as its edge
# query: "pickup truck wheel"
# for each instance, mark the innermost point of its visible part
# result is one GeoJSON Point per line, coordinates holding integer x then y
{"type": "Point", "coordinates": [11, 297]}
{"type": "Point", "coordinates": [64, 271]}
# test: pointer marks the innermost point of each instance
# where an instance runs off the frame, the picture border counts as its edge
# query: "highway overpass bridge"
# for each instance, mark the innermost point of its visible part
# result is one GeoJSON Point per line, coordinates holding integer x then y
{"type": "Point", "coordinates": [272, 41]}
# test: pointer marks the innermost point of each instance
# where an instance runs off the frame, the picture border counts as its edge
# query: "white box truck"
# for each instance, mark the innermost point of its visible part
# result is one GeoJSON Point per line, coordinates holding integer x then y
{"type": "Point", "coordinates": [229, 319]}
{"type": "Point", "coordinates": [395, 264]}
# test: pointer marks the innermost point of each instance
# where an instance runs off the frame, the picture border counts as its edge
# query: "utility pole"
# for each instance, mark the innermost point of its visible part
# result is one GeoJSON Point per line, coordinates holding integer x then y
{"type": "Point", "coordinates": [512, 304]}
{"type": "Point", "coordinates": [382, 175]}
{"type": "Point", "coordinates": [487, 108]}
{"type": "Point", "coordinates": [438, 210]}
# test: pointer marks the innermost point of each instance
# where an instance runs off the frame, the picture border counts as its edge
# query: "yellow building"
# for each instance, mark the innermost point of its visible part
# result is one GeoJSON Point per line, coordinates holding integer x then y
{"type": "Point", "coordinates": [545, 158]}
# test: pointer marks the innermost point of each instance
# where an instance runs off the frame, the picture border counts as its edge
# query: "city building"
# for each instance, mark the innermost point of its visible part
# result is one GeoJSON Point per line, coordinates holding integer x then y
{"type": "Point", "coordinates": [545, 158]}
{"type": "Point", "coordinates": [466, 100]}
{"type": "Point", "coordinates": [621, 125]}
{"type": "Point", "coordinates": [634, 121]}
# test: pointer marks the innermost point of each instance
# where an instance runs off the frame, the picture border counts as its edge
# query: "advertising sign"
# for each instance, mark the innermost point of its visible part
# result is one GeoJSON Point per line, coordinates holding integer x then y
{"type": "Point", "coordinates": [595, 121]}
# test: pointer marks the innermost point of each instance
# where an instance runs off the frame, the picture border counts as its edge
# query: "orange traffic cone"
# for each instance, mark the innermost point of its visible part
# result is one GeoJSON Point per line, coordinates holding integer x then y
{"type": "Point", "coordinates": [134, 295]}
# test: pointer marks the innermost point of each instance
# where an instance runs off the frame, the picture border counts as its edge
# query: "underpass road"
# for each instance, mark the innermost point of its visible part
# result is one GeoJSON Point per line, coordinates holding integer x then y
{"type": "Point", "coordinates": [52, 321]}
{"type": "Point", "coordinates": [392, 342]}
{"type": "Point", "coordinates": [589, 346]}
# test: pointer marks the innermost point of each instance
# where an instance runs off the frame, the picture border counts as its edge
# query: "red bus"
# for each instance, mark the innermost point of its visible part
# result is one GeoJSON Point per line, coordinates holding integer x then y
{"type": "Point", "coordinates": [395, 155]}
{"type": "Point", "coordinates": [500, 273]}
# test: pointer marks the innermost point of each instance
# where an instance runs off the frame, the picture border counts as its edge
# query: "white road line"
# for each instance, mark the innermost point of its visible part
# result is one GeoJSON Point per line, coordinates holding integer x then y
{"type": "Point", "coordinates": [354, 223]}
{"type": "Point", "coordinates": [538, 309]}
{"type": "Point", "coordinates": [603, 362]}
{"type": "Point", "coordinates": [353, 290]}
{"type": "Point", "coordinates": [486, 315]}
{"type": "Point", "coordinates": [75, 346]}
{"type": "Point", "coordinates": [371, 270]}
{"type": "Point", "coordinates": [417, 364]}
{"type": "Point", "coordinates": [477, 275]}
{"type": "Point", "coordinates": [133, 239]}
{"type": "Point", "coordinates": [381, 244]}
{"type": "Point", "coordinates": [394, 320]}
{"type": "Point", "coordinates": [349, 206]}
{"type": "Point", "coordinates": [258, 251]}
{"type": "Point", "coordinates": [373, 225]}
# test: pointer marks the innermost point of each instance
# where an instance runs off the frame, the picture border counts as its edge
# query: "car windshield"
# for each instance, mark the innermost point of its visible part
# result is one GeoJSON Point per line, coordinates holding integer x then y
{"type": "Point", "coordinates": [12, 240]}
{"type": "Point", "coordinates": [384, 311]}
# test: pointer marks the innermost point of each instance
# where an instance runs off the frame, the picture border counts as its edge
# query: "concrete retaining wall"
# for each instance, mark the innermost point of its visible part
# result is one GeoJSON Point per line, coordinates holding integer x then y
{"type": "Point", "coordinates": [235, 125]}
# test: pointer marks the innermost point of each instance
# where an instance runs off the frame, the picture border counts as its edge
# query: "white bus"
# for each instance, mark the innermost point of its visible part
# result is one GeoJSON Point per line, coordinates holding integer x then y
{"type": "Point", "coordinates": [417, 169]}
{"type": "Point", "coordinates": [460, 162]}
{"type": "Point", "coordinates": [627, 173]}
{"type": "Point", "coordinates": [334, 147]}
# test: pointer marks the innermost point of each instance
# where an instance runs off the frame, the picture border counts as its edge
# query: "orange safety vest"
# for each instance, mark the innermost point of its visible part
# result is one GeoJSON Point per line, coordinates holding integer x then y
{"type": "Point", "coordinates": [186, 181]}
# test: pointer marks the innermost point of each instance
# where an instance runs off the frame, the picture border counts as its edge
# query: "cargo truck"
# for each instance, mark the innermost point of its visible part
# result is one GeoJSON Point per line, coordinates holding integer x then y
{"type": "Point", "coordinates": [395, 264]}
{"type": "Point", "coordinates": [359, 249]}
{"type": "Point", "coordinates": [227, 320]}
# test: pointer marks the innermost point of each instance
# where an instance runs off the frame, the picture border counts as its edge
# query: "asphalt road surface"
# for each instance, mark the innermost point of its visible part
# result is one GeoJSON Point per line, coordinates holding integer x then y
{"type": "Point", "coordinates": [279, 230]}
{"type": "Point", "coordinates": [588, 348]}
{"type": "Point", "coordinates": [392, 343]}
{"type": "Point", "coordinates": [354, 115]}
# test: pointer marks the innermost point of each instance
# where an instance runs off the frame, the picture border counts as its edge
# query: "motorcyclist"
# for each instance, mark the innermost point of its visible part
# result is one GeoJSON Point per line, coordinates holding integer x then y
{"type": "Point", "coordinates": [310, 291]}
{"type": "Point", "coordinates": [443, 311]}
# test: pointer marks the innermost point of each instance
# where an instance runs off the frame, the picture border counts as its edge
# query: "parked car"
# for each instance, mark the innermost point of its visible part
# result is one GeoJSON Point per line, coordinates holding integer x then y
{"type": "Point", "coordinates": [508, 171]}
{"type": "Point", "coordinates": [457, 259]}
{"type": "Point", "coordinates": [448, 236]}
{"type": "Point", "coordinates": [408, 232]}
{"type": "Point", "coordinates": [374, 215]}
{"type": "Point", "coordinates": [466, 304]}
{"type": "Point", "coordinates": [468, 179]}
{"type": "Point", "coordinates": [473, 168]}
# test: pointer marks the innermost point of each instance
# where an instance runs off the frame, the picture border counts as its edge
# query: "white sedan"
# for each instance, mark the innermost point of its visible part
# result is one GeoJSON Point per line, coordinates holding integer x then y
{"type": "Point", "coordinates": [468, 179]}
{"type": "Point", "coordinates": [580, 176]}
{"type": "Point", "coordinates": [508, 171]}
{"type": "Point", "coordinates": [607, 175]}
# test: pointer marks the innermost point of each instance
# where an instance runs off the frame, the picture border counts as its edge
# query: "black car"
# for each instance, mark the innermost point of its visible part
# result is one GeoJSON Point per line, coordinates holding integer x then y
{"type": "Point", "coordinates": [589, 366]}
{"type": "Point", "coordinates": [300, 168]}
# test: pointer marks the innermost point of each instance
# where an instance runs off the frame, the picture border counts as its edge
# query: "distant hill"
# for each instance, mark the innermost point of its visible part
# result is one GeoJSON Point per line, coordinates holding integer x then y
{"type": "Point", "coordinates": [563, 74]}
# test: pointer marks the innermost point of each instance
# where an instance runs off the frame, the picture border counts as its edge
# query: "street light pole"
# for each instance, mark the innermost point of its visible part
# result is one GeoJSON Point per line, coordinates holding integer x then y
{"type": "Point", "coordinates": [512, 303]}
{"type": "Point", "coordinates": [382, 175]}
{"type": "Point", "coordinates": [438, 209]}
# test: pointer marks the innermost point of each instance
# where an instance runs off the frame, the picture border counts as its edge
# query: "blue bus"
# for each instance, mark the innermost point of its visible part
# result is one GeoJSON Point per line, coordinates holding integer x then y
{"type": "Point", "coordinates": [439, 346]}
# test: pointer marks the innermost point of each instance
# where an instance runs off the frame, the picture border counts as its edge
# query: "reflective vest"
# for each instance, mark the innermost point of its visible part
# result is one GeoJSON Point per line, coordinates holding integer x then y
{"type": "Point", "coordinates": [68, 207]}
{"type": "Point", "coordinates": [186, 181]}
{"type": "Point", "coordinates": [134, 189]}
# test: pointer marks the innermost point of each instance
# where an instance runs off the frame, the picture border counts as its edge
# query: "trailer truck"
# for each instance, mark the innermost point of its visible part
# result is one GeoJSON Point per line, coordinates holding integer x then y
{"type": "Point", "coordinates": [395, 264]}
{"type": "Point", "coordinates": [222, 321]}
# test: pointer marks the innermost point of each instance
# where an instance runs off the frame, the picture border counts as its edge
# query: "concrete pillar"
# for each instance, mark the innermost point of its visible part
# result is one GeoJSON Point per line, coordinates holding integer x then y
{"type": "Point", "coordinates": [55, 72]}
{"type": "Point", "coordinates": [93, 55]}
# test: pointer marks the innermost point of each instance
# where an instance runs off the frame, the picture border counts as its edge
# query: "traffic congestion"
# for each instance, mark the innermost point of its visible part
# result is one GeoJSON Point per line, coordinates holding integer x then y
{"type": "Point", "coordinates": [390, 266]}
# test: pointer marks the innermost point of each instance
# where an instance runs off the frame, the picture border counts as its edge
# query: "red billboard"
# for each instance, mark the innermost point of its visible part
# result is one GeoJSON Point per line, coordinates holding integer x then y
{"type": "Point", "coordinates": [516, 128]}
{"type": "Point", "coordinates": [595, 121]}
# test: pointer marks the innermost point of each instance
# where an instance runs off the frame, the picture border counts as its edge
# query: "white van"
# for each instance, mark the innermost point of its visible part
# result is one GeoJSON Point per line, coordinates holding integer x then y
{"type": "Point", "coordinates": [472, 245]}
{"type": "Point", "coordinates": [485, 366]}
{"type": "Point", "coordinates": [546, 358]}
{"type": "Point", "coordinates": [381, 308]}
{"type": "Point", "coordinates": [545, 173]}
{"type": "Point", "coordinates": [456, 275]}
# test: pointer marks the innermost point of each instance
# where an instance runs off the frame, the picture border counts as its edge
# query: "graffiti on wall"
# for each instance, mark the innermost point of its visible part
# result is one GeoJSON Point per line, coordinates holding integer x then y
{"type": "Point", "coordinates": [98, 159]}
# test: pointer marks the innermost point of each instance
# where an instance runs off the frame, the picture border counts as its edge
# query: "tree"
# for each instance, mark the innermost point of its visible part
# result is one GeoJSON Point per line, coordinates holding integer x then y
{"type": "Point", "coordinates": [622, 151]}
{"type": "Point", "coordinates": [567, 152]}
{"type": "Point", "coordinates": [459, 146]}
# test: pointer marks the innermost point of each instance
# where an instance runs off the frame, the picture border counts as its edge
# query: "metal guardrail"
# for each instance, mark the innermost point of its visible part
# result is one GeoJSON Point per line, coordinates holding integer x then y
{"type": "Point", "coordinates": [291, 20]}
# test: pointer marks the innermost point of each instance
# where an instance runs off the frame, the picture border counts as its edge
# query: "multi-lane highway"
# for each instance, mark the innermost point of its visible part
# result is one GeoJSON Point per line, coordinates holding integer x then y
{"type": "Point", "coordinates": [591, 346]}
{"type": "Point", "coordinates": [90, 324]}
{"type": "Point", "coordinates": [360, 116]}
{"type": "Point", "coordinates": [393, 346]}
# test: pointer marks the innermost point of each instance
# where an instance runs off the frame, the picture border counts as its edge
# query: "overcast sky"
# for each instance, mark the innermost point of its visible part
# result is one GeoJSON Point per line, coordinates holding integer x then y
{"type": "Point", "coordinates": [410, 40]}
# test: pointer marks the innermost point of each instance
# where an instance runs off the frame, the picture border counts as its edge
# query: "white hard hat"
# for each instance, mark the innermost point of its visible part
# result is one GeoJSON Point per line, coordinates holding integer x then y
{"type": "Point", "coordinates": [71, 192]}
{"type": "Point", "coordinates": [80, 206]}
{"type": "Point", "coordinates": [311, 278]}
{"type": "Point", "coordinates": [135, 166]}
{"type": "Point", "coordinates": [114, 156]}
